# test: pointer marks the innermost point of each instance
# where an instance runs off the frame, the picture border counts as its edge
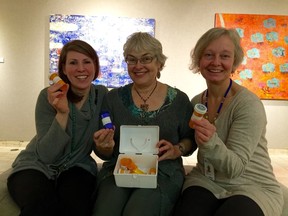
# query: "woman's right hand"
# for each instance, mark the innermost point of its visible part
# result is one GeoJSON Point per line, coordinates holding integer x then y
{"type": "Point", "coordinates": [57, 98]}
{"type": "Point", "coordinates": [204, 130]}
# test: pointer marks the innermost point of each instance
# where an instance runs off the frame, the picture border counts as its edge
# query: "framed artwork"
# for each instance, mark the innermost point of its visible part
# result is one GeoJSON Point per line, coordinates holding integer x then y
{"type": "Point", "coordinates": [264, 38]}
{"type": "Point", "coordinates": [106, 35]}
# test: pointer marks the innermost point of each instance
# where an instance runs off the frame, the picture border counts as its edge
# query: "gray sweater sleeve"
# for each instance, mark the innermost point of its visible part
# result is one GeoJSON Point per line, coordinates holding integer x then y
{"type": "Point", "coordinates": [51, 138]}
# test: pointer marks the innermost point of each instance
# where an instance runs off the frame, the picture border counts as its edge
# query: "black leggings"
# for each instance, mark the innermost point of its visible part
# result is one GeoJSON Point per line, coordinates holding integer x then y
{"type": "Point", "coordinates": [198, 201]}
{"type": "Point", "coordinates": [36, 195]}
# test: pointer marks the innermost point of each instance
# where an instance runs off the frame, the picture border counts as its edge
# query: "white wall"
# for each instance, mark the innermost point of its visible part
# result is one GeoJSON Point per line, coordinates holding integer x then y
{"type": "Point", "coordinates": [24, 43]}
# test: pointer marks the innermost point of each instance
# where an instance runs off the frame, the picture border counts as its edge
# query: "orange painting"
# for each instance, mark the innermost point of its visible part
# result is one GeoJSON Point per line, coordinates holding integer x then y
{"type": "Point", "coordinates": [264, 70]}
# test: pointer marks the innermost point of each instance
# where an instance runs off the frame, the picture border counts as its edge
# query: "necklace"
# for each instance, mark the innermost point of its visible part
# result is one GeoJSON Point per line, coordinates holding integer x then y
{"type": "Point", "coordinates": [145, 106]}
{"type": "Point", "coordinates": [220, 105]}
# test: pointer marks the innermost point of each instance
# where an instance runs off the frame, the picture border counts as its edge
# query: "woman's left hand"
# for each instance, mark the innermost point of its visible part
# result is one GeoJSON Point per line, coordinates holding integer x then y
{"type": "Point", "coordinates": [104, 142]}
{"type": "Point", "coordinates": [167, 150]}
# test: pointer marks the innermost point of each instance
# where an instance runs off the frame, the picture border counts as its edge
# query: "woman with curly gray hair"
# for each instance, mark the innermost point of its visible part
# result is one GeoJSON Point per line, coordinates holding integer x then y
{"type": "Point", "coordinates": [146, 101]}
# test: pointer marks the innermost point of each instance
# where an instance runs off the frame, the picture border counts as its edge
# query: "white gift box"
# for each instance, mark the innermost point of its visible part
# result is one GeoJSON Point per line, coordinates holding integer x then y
{"type": "Point", "coordinates": [139, 144]}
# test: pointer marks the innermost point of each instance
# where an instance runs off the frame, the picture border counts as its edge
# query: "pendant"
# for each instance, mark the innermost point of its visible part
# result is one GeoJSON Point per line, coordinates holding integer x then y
{"type": "Point", "coordinates": [144, 107]}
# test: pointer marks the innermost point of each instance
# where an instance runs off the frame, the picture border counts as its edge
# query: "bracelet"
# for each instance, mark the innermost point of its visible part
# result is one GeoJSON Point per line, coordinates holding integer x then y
{"type": "Point", "coordinates": [181, 147]}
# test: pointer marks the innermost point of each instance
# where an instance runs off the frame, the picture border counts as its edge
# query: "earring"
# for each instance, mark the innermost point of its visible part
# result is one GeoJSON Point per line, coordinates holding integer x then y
{"type": "Point", "coordinates": [158, 74]}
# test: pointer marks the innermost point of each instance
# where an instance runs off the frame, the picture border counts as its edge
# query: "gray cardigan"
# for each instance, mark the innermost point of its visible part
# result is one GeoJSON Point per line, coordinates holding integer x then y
{"type": "Point", "coordinates": [238, 152]}
{"type": "Point", "coordinates": [51, 150]}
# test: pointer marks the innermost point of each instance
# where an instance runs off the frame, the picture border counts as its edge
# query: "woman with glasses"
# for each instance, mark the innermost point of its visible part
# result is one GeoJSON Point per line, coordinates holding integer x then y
{"type": "Point", "coordinates": [146, 101]}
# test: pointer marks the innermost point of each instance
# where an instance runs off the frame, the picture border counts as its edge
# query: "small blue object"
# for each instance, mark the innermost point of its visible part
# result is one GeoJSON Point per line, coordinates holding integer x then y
{"type": "Point", "coordinates": [106, 120]}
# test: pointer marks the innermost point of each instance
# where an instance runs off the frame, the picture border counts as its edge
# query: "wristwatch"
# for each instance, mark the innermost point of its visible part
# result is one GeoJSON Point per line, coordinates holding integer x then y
{"type": "Point", "coordinates": [181, 147]}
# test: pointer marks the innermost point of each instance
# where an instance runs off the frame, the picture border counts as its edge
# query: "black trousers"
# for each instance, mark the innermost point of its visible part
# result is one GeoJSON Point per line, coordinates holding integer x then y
{"type": "Point", "coordinates": [36, 195]}
{"type": "Point", "coordinates": [198, 201]}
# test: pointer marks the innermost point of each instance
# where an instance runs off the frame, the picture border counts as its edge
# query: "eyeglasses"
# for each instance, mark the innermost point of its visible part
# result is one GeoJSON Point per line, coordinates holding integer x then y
{"type": "Point", "coordinates": [143, 60]}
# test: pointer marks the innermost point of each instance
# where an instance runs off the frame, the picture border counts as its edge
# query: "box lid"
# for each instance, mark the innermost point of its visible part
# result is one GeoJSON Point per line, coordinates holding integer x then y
{"type": "Point", "coordinates": [139, 139]}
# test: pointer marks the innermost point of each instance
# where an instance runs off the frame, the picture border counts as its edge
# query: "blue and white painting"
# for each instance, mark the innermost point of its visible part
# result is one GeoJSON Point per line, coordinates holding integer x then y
{"type": "Point", "coordinates": [106, 35]}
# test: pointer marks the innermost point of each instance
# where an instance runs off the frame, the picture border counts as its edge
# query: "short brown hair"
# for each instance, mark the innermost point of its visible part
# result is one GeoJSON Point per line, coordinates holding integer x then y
{"type": "Point", "coordinates": [80, 47]}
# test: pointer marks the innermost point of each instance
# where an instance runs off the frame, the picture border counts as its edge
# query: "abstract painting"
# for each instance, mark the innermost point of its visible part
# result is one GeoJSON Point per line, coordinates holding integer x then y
{"type": "Point", "coordinates": [106, 35]}
{"type": "Point", "coordinates": [264, 38]}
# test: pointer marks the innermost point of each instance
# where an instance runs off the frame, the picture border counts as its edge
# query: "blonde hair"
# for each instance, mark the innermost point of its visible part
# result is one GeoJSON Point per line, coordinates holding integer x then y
{"type": "Point", "coordinates": [211, 35]}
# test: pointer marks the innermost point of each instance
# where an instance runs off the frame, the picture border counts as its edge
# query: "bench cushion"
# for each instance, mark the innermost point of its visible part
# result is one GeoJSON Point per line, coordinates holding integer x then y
{"type": "Point", "coordinates": [9, 208]}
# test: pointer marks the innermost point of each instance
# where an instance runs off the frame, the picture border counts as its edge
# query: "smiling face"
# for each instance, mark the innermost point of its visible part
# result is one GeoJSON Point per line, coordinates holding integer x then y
{"type": "Point", "coordinates": [143, 74]}
{"type": "Point", "coordinates": [216, 62]}
{"type": "Point", "coordinates": [80, 70]}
